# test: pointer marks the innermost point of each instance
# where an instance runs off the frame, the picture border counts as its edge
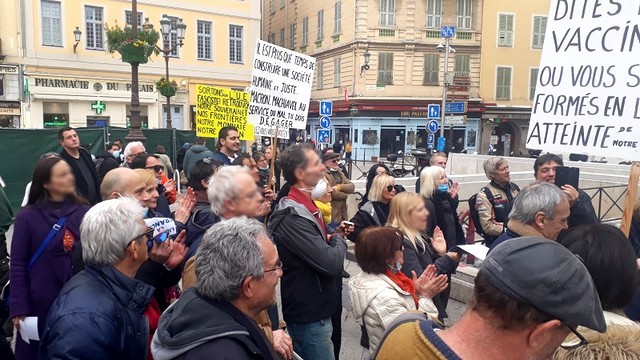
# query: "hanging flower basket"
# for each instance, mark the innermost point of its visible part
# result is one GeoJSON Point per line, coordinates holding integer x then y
{"type": "Point", "coordinates": [166, 88]}
{"type": "Point", "coordinates": [135, 52]}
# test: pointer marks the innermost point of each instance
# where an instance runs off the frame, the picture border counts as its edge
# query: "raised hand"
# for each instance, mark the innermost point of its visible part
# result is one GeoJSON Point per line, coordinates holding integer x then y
{"type": "Point", "coordinates": [438, 242]}
{"type": "Point", "coordinates": [430, 284]}
{"type": "Point", "coordinates": [185, 205]}
{"type": "Point", "coordinates": [179, 251]}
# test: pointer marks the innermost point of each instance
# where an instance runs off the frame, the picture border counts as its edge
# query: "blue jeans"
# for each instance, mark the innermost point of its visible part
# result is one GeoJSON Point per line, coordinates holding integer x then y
{"type": "Point", "coordinates": [312, 341]}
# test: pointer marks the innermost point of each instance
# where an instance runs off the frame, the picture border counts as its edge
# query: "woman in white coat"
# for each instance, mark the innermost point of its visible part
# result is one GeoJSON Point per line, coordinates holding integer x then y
{"type": "Point", "coordinates": [381, 292]}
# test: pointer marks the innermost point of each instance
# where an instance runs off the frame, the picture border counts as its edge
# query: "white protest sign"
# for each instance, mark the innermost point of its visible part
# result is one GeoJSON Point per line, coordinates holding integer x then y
{"type": "Point", "coordinates": [587, 99]}
{"type": "Point", "coordinates": [160, 225]}
{"type": "Point", "coordinates": [281, 82]}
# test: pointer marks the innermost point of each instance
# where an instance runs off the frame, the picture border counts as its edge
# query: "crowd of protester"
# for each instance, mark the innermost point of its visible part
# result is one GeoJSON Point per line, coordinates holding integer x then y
{"type": "Point", "coordinates": [104, 282]}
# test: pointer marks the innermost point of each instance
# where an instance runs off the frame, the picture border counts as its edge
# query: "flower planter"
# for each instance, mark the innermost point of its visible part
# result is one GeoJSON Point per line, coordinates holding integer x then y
{"type": "Point", "coordinates": [135, 54]}
{"type": "Point", "coordinates": [167, 91]}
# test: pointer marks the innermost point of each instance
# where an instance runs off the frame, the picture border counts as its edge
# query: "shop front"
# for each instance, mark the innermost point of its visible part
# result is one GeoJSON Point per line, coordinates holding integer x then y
{"type": "Point", "coordinates": [56, 101]}
{"type": "Point", "coordinates": [505, 130]}
{"type": "Point", "coordinates": [10, 110]}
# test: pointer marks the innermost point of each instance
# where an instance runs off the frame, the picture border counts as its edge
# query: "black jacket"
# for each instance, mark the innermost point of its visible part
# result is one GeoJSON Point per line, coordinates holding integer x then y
{"type": "Point", "coordinates": [201, 219]}
{"type": "Point", "coordinates": [105, 162]}
{"type": "Point", "coordinates": [312, 267]}
{"type": "Point", "coordinates": [443, 212]}
{"type": "Point", "coordinates": [582, 212]}
{"type": "Point", "coordinates": [196, 328]}
{"type": "Point", "coordinates": [367, 216]}
{"type": "Point", "coordinates": [98, 315]}
{"type": "Point", "coordinates": [82, 184]}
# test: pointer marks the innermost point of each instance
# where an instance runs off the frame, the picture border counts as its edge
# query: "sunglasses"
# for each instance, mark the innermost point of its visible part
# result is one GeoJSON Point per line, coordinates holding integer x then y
{"type": "Point", "coordinates": [156, 168]}
{"type": "Point", "coordinates": [148, 233]}
{"type": "Point", "coordinates": [333, 161]}
{"type": "Point", "coordinates": [160, 238]}
{"type": "Point", "coordinates": [391, 188]}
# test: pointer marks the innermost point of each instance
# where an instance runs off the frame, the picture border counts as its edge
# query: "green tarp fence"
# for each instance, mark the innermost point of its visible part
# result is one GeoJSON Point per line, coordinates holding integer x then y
{"type": "Point", "coordinates": [20, 149]}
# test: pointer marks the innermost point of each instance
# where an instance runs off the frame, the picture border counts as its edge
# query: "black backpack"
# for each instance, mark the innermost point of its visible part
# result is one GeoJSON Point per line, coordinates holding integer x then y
{"type": "Point", "coordinates": [473, 212]}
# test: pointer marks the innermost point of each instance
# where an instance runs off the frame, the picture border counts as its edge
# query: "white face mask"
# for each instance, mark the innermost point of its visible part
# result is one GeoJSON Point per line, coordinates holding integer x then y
{"type": "Point", "coordinates": [144, 212]}
{"type": "Point", "coordinates": [319, 190]}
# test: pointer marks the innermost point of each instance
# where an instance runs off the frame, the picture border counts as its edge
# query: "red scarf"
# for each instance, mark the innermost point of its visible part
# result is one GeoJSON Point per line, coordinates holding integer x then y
{"type": "Point", "coordinates": [404, 283]}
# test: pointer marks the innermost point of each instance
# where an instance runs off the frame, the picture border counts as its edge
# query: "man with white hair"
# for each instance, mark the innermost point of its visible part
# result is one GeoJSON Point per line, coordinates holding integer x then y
{"type": "Point", "coordinates": [540, 210]}
{"type": "Point", "coordinates": [132, 150]}
{"type": "Point", "coordinates": [215, 318]}
{"type": "Point", "coordinates": [99, 313]}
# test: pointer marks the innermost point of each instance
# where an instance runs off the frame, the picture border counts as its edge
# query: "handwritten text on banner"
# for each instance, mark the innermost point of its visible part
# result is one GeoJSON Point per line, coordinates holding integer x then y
{"type": "Point", "coordinates": [587, 97]}
{"type": "Point", "coordinates": [217, 108]}
{"type": "Point", "coordinates": [281, 83]}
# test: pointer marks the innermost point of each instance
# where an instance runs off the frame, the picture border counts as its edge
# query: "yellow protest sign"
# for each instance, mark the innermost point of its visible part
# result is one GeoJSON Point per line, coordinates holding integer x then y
{"type": "Point", "coordinates": [217, 108]}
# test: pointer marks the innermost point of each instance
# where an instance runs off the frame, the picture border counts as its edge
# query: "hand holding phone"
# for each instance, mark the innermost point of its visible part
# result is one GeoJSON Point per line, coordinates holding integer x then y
{"type": "Point", "coordinates": [567, 176]}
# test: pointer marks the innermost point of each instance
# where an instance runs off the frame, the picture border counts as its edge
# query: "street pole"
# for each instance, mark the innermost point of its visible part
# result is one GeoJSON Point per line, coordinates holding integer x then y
{"type": "Point", "coordinates": [167, 51]}
{"type": "Point", "coordinates": [444, 86]}
{"type": "Point", "coordinates": [135, 134]}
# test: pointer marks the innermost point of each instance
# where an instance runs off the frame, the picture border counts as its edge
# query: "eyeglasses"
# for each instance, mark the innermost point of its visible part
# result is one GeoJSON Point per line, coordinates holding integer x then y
{"type": "Point", "coordinates": [334, 161]}
{"type": "Point", "coordinates": [391, 188]}
{"type": "Point", "coordinates": [148, 233]}
{"type": "Point", "coordinates": [156, 168]}
{"type": "Point", "coordinates": [575, 332]}
{"type": "Point", "coordinates": [278, 267]}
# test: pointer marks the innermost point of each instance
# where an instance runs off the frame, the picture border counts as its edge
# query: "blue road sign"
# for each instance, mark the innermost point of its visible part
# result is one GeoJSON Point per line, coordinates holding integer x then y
{"type": "Point", "coordinates": [441, 144]}
{"type": "Point", "coordinates": [323, 136]}
{"type": "Point", "coordinates": [433, 126]}
{"type": "Point", "coordinates": [431, 141]}
{"type": "Point", "coordinates": [433, 111]}
{"type": "Point", "coordinates": [326, 107]}
{"type": "Point", "coordinates": [325, 122]}
{"type": "Point", "coordinates": [455, 107]}
{"type": "Point", "coordinates": [448, 31]}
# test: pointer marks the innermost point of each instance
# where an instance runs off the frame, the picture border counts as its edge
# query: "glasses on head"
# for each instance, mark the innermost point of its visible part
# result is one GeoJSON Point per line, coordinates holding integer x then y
{"type": "Point", "coordinates": [582, 341]}
{"type": "Point", "coordinates": [207, 160]}
{"type": "Point", "coordinates": [156, 168]}
{"type": "Point", "coordinates": [391, 188]}
{"type": "Point", "coordinates": [278, 267]}
{"type": "Point", "coordinates": [148, 233]}
{"type": "Point", "coordinates": [50, 154]}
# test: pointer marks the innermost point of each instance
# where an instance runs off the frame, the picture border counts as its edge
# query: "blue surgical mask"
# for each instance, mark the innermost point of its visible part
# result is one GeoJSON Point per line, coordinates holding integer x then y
{"type": "Point", "coordinates": [443, 188]}
{"type": "Point", "coordinates": [116, 154]}
{"type": "Point", "coordinates": [144, 212]}
{"type": "Point", "coordinates": [395, 268]}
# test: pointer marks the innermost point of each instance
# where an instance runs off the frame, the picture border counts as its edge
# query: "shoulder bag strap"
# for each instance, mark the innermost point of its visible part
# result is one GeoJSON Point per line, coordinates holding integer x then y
{"type": "Point", "coordinates": [47, 240]}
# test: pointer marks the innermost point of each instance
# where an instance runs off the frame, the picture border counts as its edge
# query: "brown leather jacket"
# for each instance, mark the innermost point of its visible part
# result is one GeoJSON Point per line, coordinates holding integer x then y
{"type": "Point", "coordinates": [339, 198]}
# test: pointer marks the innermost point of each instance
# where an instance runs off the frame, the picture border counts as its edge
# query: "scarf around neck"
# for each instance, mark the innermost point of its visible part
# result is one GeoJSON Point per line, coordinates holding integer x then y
{"type": "Point", "coordinates": [403, 283]}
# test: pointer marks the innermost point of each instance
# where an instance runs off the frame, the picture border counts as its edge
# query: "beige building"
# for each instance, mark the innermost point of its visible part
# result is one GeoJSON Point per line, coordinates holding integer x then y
{"type": "Point", "coordinates": [377, 61]}
{"type": "Point", "coordinates": [513, 36]}
{"type": "Point", "coordinates": [56, 81]}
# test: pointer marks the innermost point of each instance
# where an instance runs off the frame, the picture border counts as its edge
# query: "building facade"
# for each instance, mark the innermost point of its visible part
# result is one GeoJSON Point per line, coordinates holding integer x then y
{"type": "Point", "coordinates": [63, 82]}
{"type": "Point", "coordinates": [513, 36]}
{"type": "Point", "coordinates": [377, 61]}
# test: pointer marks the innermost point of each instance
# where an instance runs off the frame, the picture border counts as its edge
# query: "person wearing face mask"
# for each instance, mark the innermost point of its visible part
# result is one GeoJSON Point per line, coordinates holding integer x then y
{"type": "Point", "coordinates": [107, 160]}
{"type": "Point", "coordinates": [382, 292]}
{"type": "Point", "coordinates": [263, 167]}
{"type": "Point", "coordinates": [341, 187]}
{"type": "Point", "coordinates": [321, 196]}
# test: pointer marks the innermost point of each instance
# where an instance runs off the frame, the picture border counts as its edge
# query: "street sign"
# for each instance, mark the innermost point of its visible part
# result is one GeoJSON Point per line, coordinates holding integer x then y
{"type": "Point", "coordinates": [462, 80]}
{"type": "Point", "coordinates": [455, 107]}
{"type": "Point", "coordinates": [326, 108]}
{"type": "Point", "coordinates": [431, 141]}
{"type": "Point", "coordinates": [455, 119]}
{"type": "Point", "coordinates": [457, 97]}
{"type": "Point", "coordinates": [433, 111]}
{"type": "Point", "coordinates": [441, 144]}
{"type": "Point", "coordinates": [458, 88]}
{"type": "Point", "coordinates": [433, 126]}
{"type": "Point", "coordinates": [448, 31]}
{"type": "Point", "coordinates": [323, 136]}
{"type": "Point", "coordinates": [325, 122]}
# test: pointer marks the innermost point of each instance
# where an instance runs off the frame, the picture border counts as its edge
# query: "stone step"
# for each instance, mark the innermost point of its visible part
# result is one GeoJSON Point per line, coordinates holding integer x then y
{"type": "Point", "coordinates": [462, 283]}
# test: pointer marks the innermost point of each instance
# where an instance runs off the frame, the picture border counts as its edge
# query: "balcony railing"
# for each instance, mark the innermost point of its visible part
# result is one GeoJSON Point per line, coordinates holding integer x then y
{"type": "Point", "coordinates": [386, 32]}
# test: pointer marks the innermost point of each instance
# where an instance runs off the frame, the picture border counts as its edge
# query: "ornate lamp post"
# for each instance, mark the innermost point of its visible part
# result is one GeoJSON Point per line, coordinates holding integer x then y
{"type": "Point", "coordinates": [167, 49]}
{"type": "Point", "coordinates": [135, 134]}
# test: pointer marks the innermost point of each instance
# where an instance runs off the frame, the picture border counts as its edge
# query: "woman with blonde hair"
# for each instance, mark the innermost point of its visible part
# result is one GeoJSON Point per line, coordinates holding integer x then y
{"type": "Point", "coordinates": [376, 210]}
{"type": "Point", "coordinates": [443, 211]}
{"type": "Point", "coordinates": [409, 215]}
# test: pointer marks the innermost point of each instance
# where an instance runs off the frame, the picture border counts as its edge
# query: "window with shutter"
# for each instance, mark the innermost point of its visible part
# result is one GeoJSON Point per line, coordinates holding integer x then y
{"type": "Point", "coordinates": [505, 30]}
{"type": "Point", "coordinates": [337, 20]}
{"type": "Point", "coordinates": [292, 35]}
{"type": "Point", "coordinates": [385, 69]}
{"type": "Point", "coordinates": [503, 83]}
{"type": "Point", "coordinates": [320, 75]}
{"type": "Point", "coordinates": [305, 31]}
{"type": "Point", "coordinates": [387, 12]}
{"type": "Point", "coordinates": [320, 25]}
{"type": "Point", "coordinates": [281, 37]}
{"type": "Point", "coordinates": [434, 13]}
{"type": "Point", "coordinates": [533, 82]}
{"type": "Point", "coordinates": [462, 65]}
{"type": "Point", "coordinates": [337, 70]}
{"type": "Point", "coordinates": [539, 29]}
{"type": "Point", "coordinates": [51, 23]}
{"type": "Point", "coordinates": [464, 14]}
{"type": "Point", "coordinates": [431, 69]}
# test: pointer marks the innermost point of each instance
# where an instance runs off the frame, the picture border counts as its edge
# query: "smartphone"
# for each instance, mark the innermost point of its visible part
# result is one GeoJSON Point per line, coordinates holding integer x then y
{"type": "Point", "coordinates": [348, 223]}
{"type": "Point", "coordinates": [567, 176]}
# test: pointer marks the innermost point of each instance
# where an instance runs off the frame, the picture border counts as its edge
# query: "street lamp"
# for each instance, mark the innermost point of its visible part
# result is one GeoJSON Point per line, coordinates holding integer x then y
{"type": "Point", "coordinates": [365, 66]}
{"type": "Point", "coordinates": [76, 35]}
{"type": "Point", "coordinates": [135, 134]}
{"type": "Point", "coordinates": [167, 49]}
{"type": "Point", "coordinates": [446, 48]}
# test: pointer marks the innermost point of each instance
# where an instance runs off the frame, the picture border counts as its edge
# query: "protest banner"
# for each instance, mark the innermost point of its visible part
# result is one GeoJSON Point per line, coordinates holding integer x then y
{"type": "Point", "coordinates": [281, 82]}
{"type": "Point", "coordinates": [160, 225]}
{"type": "Point", "coordinates": [217, 108]}
{"type": "Point", "coordinates": [587, 99]}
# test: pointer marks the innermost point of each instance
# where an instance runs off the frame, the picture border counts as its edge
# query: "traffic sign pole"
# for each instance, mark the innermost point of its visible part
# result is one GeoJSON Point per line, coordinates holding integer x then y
{"type": "Point", "coordinates": [444, 85]}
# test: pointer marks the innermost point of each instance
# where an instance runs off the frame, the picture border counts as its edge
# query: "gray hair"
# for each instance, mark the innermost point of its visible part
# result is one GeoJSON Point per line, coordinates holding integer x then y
{"type": "Point", "coordinates": [538, 197]}
{"type": "Point", "coordinates": [492, 165]}
{"type": "Point", "coordinates": [107, 228]}
{"type": "Point", "coordinates": [223, 186]}
{"type": "Point", "coordinates": [229, 253]}
{"type": "Point", "coordinates": [130, 146]}
{"type": "Point", "coordinates": [428, 178]}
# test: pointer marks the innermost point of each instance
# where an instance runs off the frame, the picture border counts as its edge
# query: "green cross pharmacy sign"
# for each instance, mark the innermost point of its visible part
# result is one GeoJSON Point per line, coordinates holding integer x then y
{"type": "Point", "coordinates": [98, 106]}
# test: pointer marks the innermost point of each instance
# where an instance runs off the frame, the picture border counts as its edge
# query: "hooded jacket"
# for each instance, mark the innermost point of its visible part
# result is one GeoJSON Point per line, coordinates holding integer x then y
{"type": "Point", "coordinates": [312, 266]}
{"type": "Point", "coordinates": [104, 163]}
{"type": "Point", "coordinates": [197, 152]}
{"type": "Point", "coordinates": [378, 301]}
{"type": "Point", "coordinates": [195, 328]}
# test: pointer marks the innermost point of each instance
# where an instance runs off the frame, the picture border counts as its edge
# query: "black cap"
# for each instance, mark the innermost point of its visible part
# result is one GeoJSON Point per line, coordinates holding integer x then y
{"type": "Point", "coordinates": [547, 276]}
{"type": "Point", "coordinates": [329, 156]}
